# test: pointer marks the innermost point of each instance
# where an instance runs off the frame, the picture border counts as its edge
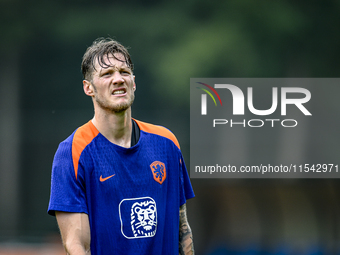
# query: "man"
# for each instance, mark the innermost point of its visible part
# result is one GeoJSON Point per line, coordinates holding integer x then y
{"type": "Point", "coordinates": [119, 185]}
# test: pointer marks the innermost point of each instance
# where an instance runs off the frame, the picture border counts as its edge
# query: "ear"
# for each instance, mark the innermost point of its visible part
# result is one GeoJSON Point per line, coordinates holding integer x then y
{"type": "Point", "coordinates": [134, 83]}
{"type": "Point", "coordinates": [88, 88]}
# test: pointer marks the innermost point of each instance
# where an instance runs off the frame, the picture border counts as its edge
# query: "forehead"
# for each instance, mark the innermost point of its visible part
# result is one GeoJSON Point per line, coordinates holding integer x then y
{"type": "Point", "coordinates": [117, 60]}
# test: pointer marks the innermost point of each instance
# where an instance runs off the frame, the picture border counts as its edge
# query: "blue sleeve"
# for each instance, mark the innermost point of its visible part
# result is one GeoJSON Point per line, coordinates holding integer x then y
{"type": "Point", "coordinates": [186, 189]}
{"type": "Point", "coordinates": [67, 191]}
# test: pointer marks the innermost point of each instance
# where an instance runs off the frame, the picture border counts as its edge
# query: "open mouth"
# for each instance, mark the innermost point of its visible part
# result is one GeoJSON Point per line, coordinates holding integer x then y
{"type": "Point", "coordinates": [119, 91]}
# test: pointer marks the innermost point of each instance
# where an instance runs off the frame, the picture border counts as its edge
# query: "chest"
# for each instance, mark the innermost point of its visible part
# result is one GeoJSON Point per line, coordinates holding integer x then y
{"type": "Point", "coordinates": [124, 173]}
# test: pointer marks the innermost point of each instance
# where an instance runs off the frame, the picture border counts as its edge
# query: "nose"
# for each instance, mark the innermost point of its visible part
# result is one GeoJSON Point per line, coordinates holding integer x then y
{"type": "Point", "coordinates": [117, 78]}
{"type": "Point", "coordinates": [146, 215]}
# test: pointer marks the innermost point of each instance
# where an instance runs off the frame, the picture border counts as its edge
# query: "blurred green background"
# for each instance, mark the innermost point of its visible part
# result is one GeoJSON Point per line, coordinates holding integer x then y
{"type": "Point", "coordinates": [42, 102]}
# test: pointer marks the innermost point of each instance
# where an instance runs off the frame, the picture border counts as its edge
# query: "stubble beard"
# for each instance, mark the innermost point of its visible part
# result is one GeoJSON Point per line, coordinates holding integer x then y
{"type": "Point", "coordinates": [114, 108]}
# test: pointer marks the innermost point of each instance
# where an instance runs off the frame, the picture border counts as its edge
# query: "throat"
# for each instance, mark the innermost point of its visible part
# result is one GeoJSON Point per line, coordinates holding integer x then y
{"type": "Point", "coordinates": [117, 130]}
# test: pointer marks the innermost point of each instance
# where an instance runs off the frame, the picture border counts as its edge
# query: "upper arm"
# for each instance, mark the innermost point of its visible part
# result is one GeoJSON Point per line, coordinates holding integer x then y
{"type": "Point", "coordinates": [75, 232]}
{"type": "Point", "coordinates": [68, 193]}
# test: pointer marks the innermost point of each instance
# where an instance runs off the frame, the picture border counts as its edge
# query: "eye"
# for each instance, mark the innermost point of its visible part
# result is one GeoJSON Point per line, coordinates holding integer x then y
{"type": "Point", "coordinates": [106, 74]}
{"type": "Point", "coordinates": [125, 72]}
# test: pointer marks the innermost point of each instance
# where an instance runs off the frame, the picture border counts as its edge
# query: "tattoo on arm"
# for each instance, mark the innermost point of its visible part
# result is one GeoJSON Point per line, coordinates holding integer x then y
{"type": "Point", "coordinates": [186, 244]}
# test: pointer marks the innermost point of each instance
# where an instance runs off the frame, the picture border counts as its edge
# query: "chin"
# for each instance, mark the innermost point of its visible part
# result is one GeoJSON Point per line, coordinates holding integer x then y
{"type": "Point", "coordinates": [115, 107]}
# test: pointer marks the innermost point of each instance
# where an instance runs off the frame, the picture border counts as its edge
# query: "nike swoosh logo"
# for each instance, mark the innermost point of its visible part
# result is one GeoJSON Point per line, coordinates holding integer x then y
{"type": "Point", "coordinates": [106, 178]}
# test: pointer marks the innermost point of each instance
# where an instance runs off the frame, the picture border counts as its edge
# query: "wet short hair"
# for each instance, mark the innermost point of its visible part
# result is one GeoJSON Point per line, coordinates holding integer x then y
{"type": "Point", "coordinates": [101, 48]}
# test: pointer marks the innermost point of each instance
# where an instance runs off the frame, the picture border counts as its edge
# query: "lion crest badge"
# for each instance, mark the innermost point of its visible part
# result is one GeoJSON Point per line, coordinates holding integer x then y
{"type": "Point", "coordinates": [158, 171]}
{"type": "Point", "coordinates": [138, 217]}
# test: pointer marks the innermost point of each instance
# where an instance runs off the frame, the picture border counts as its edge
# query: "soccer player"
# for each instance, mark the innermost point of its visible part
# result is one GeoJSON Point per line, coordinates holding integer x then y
{"type": "Point", "coordinates": [119, 185]}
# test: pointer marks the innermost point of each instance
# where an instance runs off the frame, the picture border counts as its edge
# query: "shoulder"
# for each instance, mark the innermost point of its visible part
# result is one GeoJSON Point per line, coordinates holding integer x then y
{"type": "Point", "coordinates": [74, 145]}
{"type": "Point", "coordinates": [84, 135]}
{"type": "Point", "coordinates": [157, 130]}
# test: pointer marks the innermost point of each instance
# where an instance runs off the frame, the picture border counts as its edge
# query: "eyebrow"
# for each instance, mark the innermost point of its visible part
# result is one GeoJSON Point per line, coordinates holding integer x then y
{"type": "Point", "coordinates": [114, 67]}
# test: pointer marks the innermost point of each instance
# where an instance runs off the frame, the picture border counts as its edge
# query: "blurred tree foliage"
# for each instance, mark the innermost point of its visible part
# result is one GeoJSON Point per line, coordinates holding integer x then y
{"type": "Point", "coordinates": [171, 41]}
{"type": "Point", "coordinates": [177, 40]}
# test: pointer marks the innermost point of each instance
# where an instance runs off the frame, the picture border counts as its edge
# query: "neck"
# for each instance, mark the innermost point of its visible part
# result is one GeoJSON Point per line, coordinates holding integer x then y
{"type": "Point", "coordinates": [116, 127]}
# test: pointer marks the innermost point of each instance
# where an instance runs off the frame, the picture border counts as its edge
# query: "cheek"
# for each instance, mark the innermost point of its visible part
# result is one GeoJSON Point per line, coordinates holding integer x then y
{"type": "Point", "coordinates": [94, 88]}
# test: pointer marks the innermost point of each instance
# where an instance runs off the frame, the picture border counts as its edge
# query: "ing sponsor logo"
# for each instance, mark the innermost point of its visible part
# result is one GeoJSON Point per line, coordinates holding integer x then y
{"type": "Point", "coordinates": [138, 217]}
